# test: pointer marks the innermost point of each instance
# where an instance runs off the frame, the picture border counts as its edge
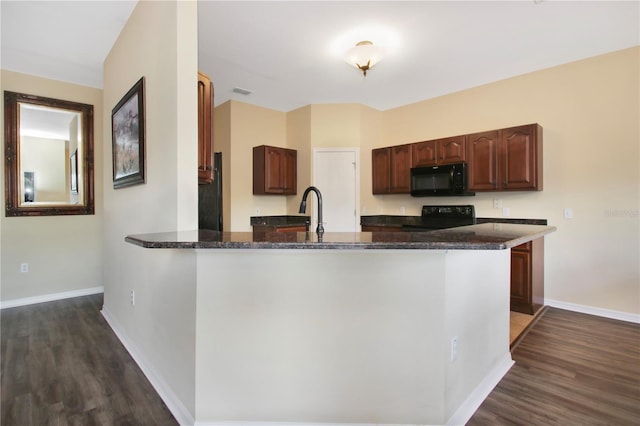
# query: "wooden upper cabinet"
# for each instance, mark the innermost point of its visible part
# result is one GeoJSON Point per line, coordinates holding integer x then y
{"type": "Point", "coordinates": [482, 160]}
{"type": "Point", "coordinates": [506, 159]}
{"type": "Point", "coordinates": [452, 150]}
{"type": "Point", "coordinates": [498, 160]}
{"type": "Point", "coordinates": [391, 170]}
{"type": "Point", "coordinates": [424, 153]}
{"type": "Point", "coordinates": [381, 170]}
{"type": "Point", "coordinates": [439, 151]}
{"type": "Point", "coordinates": [521, 157]}
{"type": "Point", "coordinates": [205, 129]}
{"type": "Point", "coordinates": [290, 171]}
{"type": "Point", "coordinates": [274, 171]}
{"type": "Point", "coordinates": [400, 169]}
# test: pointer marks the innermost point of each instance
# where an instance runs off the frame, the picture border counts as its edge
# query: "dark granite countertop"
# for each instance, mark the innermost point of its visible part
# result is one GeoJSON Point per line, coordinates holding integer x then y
{"type": "Point", "coordinates": [488, 236]}
{"type": "Point", "coordinates": [396, 221]}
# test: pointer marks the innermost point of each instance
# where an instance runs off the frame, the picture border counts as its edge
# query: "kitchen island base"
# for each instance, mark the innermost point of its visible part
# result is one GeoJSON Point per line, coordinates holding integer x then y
{"type": "Point", "coordinates": [349, 336]}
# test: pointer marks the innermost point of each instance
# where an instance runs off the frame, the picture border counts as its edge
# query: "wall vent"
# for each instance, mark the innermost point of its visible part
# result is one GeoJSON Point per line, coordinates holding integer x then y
{"type": "Point", "coordinates": [242, 91]}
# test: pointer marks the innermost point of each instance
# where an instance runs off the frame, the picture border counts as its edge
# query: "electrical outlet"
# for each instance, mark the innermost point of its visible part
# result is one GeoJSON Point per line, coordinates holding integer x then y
{"type": "Point", "coordinates": [402, 210]}
{"type": "Point", "coordinates": [454, 348]}
{"type": "Point", "coordinates": [568, 213]}
{"type": "Point", "coordinates": [24, 267]}
{"type": "Point", "coordinates": [257, 211]}
{"type": "Point", "coordinates": [133, 297]}
{"type": "Point", "coordinates": [505, 212]}
{"type": "Point", "coordinates": [497, 204]}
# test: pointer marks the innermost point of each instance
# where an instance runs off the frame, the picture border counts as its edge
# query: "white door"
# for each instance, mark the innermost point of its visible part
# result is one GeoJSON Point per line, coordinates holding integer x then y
{"type": "Point", "coordinates": [336, 175]}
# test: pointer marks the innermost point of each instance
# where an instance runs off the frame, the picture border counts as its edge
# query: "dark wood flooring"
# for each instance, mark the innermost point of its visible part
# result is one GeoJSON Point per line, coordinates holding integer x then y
{"type": "Point", "coordinates": [571, 369]}
{"type": "Point", "coordinates": [62, 365]}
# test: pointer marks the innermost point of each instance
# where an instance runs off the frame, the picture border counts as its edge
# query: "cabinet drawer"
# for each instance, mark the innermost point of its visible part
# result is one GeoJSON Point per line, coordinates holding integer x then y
{"type": "Point", "coordinates": [523, 247]}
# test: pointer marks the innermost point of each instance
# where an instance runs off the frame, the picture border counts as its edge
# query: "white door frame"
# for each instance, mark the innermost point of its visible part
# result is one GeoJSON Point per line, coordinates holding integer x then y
{"type": "Point", "coordinates": [356, 151]}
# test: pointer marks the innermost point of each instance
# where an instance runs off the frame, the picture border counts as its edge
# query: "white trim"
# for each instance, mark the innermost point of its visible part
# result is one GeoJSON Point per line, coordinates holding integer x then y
{"type": "Point", "coordinates": [173, 403]}
{"type": "Point", "coordinates": [592, 310]}
{"type": "Point", "coordinates": [50, 297]}
{"type": "Point", "coordinates": [481, 392]}
{"type": "Point", "coordinates": [257, 423]}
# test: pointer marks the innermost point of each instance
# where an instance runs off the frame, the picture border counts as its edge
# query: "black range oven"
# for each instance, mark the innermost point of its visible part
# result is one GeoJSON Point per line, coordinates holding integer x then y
{"type": "Point", "coordinates": [441, 217]}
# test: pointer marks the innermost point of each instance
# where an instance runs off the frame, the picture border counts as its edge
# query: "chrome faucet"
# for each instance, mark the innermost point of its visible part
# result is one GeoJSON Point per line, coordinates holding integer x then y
{"type": "Point", "coordinates": [303, 207]}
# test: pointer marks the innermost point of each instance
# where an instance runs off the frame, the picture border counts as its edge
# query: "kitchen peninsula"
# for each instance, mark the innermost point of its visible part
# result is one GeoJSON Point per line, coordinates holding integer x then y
{"type": "Point", "coordinates": [404, 328]}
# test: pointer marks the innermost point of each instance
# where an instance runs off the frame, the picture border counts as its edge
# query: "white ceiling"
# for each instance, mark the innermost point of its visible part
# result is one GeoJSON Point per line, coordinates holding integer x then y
{"type": "Point", "coordinates": [288, 53]}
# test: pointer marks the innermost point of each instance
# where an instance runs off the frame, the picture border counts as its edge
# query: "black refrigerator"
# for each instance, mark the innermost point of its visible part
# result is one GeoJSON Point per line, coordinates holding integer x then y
{"type": "Point", "coordinates": [210, 198]}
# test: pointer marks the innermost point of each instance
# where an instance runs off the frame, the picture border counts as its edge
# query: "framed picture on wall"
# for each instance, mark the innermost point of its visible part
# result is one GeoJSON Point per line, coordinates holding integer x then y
{"type": "Point", "coordinates": [127, 126]}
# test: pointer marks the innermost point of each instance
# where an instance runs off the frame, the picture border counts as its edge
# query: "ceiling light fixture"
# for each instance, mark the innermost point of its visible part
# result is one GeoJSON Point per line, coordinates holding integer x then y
{"type": "Point", "coordinates": [364, 55]}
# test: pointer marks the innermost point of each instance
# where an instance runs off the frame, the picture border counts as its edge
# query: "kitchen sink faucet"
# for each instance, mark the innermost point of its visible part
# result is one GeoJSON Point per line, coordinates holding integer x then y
{"type": "Point", "coordinates": [303, 207]}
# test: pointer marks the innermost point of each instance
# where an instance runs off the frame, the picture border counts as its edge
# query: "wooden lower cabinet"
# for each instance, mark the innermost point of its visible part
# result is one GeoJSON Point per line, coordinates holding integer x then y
{"type": "Point", "coordinates": [527, 277]}
{"type": "Point", "coordinates": [279, 228]}
{"type": "Point", "coordinates": [374, 228]}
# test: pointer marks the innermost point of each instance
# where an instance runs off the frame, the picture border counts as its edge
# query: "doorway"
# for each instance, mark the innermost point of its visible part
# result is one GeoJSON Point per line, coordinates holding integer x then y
{"type": "Point", "coordinates": [336, 173]}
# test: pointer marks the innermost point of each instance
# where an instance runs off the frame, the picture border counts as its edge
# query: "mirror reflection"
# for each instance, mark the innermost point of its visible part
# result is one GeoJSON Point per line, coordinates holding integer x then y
{"type": "Point", "coordinates": [49, 156]}
{"type": "Point", "coordinates": [49, 146]}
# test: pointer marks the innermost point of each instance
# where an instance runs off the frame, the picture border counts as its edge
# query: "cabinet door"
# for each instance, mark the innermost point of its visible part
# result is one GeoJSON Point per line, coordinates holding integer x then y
{"type": "Point", "coordinates": [520, 165]}
{"type": "Point", "coordinates": [290, 171]}
{"type": "Point", "coordinates": [482, 159]}
{"type": "Point", "coordinates": [452, 150]}
{"type": "Point", "coordinates": [205, 129]}
{"type": "Point", "coordinates": [381, 170]}
{"type": "Point", "coordinates": [520, 278]}
{"type": "Point", "coordinates": [423, 154]}
{"type": "Point", "coordinates": [273, 170]}
{"type": "Point", "coordinates": [400, 169]}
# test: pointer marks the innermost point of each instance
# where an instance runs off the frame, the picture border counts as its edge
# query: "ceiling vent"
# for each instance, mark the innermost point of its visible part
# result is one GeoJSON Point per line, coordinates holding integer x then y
{"type": "Point", "coordinates": [242, 91]}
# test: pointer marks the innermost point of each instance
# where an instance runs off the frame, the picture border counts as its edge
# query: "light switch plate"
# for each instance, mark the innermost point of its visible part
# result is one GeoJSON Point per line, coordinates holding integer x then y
{"type": "Point", "coordinates": [568, 213]}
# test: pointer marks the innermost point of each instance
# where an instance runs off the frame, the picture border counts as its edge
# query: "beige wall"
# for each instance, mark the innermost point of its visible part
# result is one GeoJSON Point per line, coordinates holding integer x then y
{"type": "Point", "coordinates": [584, 107]}
{"type": "Point", "coordinates": [589, 111]}
{"type": "Point", "coordinates": [222, 144]}
{"type": "Point", "coordinates": [238, 128]}
{"type": "Point", "coordinates": [48, 159]}
{"type": "Point", "coordinates": [299, 138]}
{"type": "Point", "coordinates": [64, 252]}
{"type": "Point", "coordinates": [158, 42]}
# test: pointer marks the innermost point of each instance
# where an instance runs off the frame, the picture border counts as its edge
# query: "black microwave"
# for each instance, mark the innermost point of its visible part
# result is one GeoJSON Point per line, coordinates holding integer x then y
{"type": "Point", "coordinates": [444, 180]}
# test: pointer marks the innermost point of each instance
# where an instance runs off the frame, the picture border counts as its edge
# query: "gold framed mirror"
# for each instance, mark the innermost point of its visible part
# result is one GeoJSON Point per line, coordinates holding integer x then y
{"type": "Point", "coordinates": [48, 156]}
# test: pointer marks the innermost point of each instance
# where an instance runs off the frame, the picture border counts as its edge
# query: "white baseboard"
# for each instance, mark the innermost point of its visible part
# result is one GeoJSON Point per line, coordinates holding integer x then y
{"type": "Point", "coordinates": [481, 392]}
{"type": "Point", "coordinates": [256, 423]}
{"type": "Point", "coordinates": [173, 403]}
{"type": "Point", "coordinates": [50, 297]}
{"type": "Point", "coordinates": [591, 310]}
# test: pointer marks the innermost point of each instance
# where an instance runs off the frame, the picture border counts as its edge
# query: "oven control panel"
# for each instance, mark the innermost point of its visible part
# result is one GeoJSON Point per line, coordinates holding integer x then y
{"type": "Point", "coordinates": [465, 211]}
